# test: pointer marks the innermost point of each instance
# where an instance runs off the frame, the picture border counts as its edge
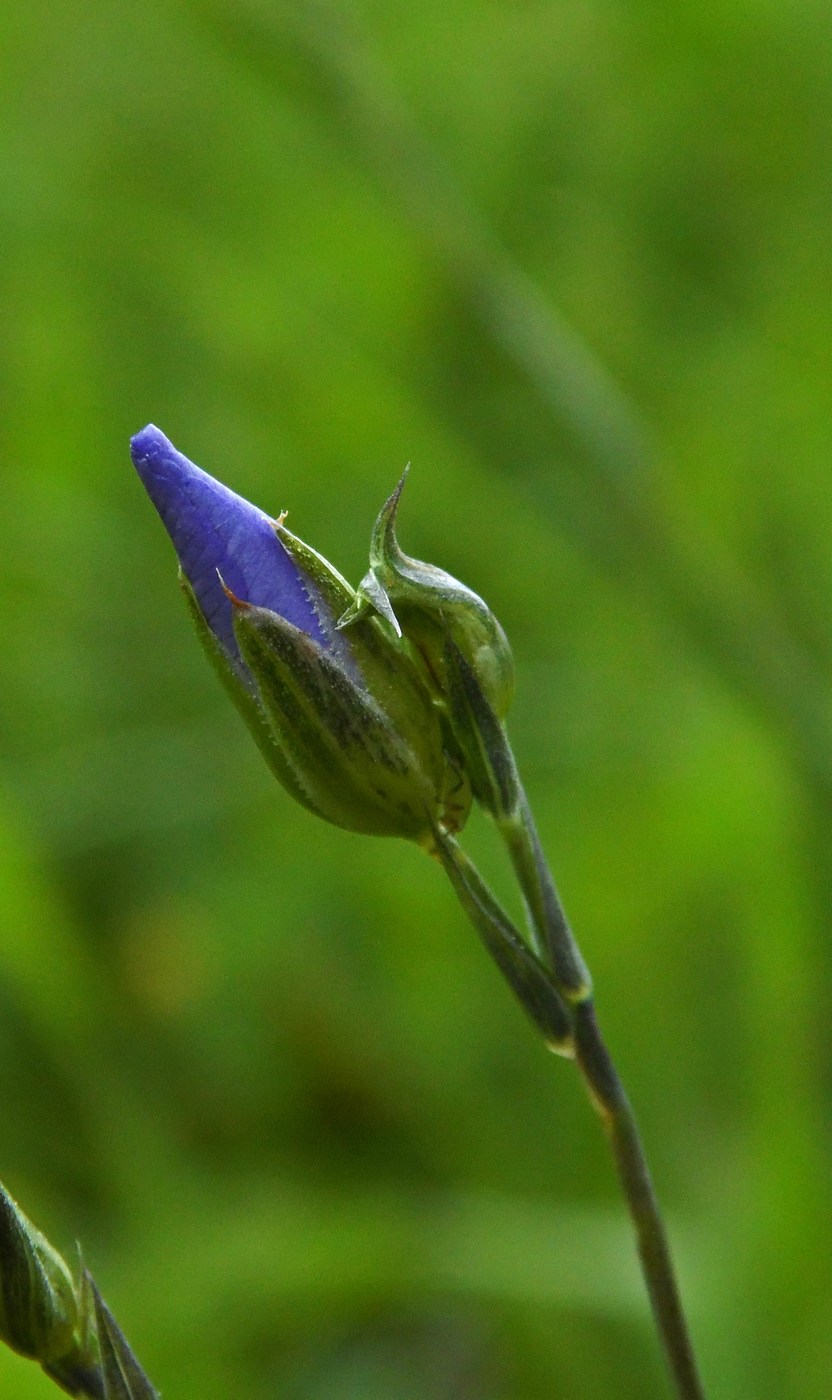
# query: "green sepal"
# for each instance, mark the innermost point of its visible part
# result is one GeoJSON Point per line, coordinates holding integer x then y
{"type": "Point", "coordinates": [246, 703]}
{"type": "Point", "coordinates": [370, 597]}
{"type": "Point", "coordinates": [384, 665]}
{"type": "Point", "coordinates": [429, 606]}
{"type": "Point", "coordinates": [336, 593]}
{"type": "Point", "coordinates": [368, 761]}
{"type": "Point", "coordinates": [381, 663]}
{"type": "Point", "coordinates": [481, 736]}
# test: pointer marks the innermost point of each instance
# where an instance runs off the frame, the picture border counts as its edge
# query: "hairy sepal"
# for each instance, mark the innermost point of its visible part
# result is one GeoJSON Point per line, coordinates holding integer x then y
{"type": "Point", "coordinates": [247, 703]}
{"type": "Point", "coordinates": [361, 766]}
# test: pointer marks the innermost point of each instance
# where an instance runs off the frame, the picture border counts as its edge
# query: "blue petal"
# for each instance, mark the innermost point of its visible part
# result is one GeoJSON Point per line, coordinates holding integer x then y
{"type": "Point", "coordinates": [213, 529]}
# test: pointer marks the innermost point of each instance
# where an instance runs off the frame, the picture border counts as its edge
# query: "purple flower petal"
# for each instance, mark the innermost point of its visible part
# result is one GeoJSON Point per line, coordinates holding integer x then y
{"type": "Point", "coordinates": [213, 529]}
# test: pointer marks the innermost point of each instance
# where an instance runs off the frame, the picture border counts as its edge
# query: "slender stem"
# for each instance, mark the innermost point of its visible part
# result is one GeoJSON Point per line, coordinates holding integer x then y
{"type": "Point", "coordinates": [550, 925]}
{"type": "Point", "coordinates": [530, 980]}
{"type": "Point", "coordinates": [607, 1094]}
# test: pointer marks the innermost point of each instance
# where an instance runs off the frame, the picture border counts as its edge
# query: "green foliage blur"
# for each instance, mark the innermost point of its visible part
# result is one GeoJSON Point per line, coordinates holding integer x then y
{"type": "Point", "coordinates": [572, 260]}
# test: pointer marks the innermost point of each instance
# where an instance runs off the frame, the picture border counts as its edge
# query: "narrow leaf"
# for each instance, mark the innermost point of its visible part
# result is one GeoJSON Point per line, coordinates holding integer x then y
{"type": "Point", "coordinates": [124, 1378]}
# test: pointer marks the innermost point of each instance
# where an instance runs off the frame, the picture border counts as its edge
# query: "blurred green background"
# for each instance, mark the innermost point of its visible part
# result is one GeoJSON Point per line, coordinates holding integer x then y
{"type": "Point", "coordinates": [572, 260]}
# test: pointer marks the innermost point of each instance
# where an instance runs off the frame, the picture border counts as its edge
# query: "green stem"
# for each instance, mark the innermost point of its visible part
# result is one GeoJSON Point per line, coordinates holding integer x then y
{"type": "Point", "coordinates": [607, 1094]}
{"type": "Point", "coordinates": [550, 925]}
{"type": "Point", "coordinates": [530, 980]}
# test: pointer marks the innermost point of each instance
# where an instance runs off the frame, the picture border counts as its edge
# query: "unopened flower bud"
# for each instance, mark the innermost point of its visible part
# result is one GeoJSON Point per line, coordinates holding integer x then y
{"type": "Point", "coordinates": [38, 1307]}
{"type": "Point", "coordinates": [346, 721]}
{"type": "Point", "coordinates": [41, 1315]}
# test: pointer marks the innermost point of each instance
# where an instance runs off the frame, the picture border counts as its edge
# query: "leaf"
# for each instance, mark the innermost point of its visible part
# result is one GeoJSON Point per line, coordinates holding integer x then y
{"type": "Point", "coordinates": [124, 1378]}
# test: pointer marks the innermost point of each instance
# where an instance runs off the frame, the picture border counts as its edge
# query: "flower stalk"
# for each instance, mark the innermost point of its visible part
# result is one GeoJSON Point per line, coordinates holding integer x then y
{"type": "Point", "coordinates": [608, 1097]}
{"type": "Point", "coordinates": [570, 1028]}
{"type": "Point", "coordinates": [610, 1100]}
{"type": "Point", "coordinates": [560, 955]}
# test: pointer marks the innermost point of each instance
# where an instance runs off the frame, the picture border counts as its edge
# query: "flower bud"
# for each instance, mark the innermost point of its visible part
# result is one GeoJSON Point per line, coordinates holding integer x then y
{"type": "Point", "coordinates": [67, 1328]}
{"type": "Point", "coordinates": [40, 1313]}
{"type": "Point", "coordinates": [347, 722]}
{"type": "Point", "coordinates": [463, 650]}
{"type": "Point", "coordinates": [38, 1307]}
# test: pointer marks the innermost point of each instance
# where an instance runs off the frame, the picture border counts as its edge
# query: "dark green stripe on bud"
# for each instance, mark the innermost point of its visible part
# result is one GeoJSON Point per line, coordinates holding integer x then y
{"type": "Point", "coordinates": [248, 704]}
{"type": "Point", "coordinates": [489, 761]}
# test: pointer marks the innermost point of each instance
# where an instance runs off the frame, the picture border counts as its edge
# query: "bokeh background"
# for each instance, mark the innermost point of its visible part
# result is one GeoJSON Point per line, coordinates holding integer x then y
{"type": "Point", "coordinates": [573, 261]}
